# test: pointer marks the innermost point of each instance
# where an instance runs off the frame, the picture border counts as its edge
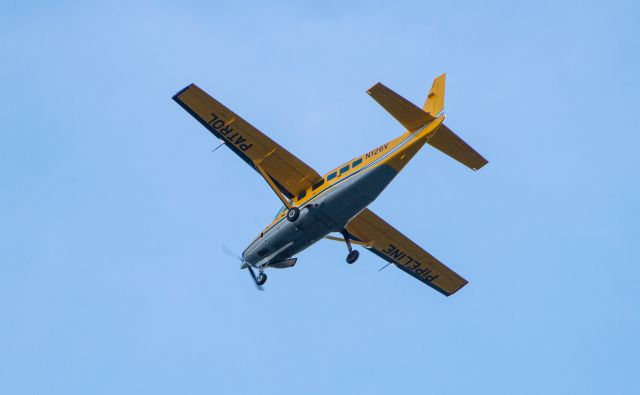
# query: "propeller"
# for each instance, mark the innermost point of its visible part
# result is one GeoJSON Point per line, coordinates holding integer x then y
{"type": "Point", "coordinates": [231, 253]}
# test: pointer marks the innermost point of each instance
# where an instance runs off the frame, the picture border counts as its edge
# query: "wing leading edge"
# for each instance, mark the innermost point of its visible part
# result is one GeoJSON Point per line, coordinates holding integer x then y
{"type": "Point", "coordinates": [385, 241]}
{"type": "Point", "coordinates": [284, 172]}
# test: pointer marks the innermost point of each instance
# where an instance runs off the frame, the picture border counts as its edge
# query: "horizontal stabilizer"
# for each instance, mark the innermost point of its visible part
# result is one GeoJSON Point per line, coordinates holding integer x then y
{"type": "Point", "coordinates": [407, 113]}
{"type": "Point", "coordinates": [449, 143]}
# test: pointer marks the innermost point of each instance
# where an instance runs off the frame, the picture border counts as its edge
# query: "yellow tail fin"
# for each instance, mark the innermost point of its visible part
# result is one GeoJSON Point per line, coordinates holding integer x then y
{"type": "Point", "coordinates": [434, 104]}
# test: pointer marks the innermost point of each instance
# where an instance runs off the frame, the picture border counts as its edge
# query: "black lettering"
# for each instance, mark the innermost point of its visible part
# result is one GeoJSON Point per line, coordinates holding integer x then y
{"type": "Point", "coordinates": [245, 147]}
{"type": "Point", "coordinates": [397, 255]}
{"type": "Point", "coordinates": [226, 130]}
{"type": "Point", "coordinates": [240, 140]}
{"type": "Point", "coordinates": [217, 124]}
{"type": "Point", "coordinates": [389, 249]}
{"type": "Point", "coordinates": [232, 137]}
{"type": "Point", "coordinates": [431, 278]}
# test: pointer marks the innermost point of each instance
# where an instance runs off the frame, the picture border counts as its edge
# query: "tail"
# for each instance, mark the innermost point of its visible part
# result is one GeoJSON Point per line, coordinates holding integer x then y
{"type": "Point", "coordinates": [434, 104]}
{"type": "Point", "coordinates": [413, 119]}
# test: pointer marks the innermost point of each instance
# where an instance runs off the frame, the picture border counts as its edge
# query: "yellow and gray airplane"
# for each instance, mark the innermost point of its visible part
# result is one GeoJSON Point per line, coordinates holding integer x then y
{"type": "Point", "coordinates": [315, 205]}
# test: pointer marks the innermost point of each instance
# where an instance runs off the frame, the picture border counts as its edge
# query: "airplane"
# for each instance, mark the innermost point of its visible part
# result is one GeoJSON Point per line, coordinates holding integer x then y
{"type": "Point", "coordinates": [316, 206]}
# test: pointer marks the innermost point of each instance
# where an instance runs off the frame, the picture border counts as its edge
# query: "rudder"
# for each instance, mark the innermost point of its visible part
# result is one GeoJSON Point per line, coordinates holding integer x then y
{"type": "Point", "coordinates": [434, 104]}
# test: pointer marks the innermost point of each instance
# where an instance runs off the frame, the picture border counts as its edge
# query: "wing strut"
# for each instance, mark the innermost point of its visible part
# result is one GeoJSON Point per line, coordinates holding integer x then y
{"type": "Point", "coordinates": [273, 186]}
{"type": "Point", "coordinates": [360, 243]}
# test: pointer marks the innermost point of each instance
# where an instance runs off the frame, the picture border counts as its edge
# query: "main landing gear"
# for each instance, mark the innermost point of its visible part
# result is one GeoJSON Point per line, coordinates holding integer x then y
{"type": "Point", "coordinates": [353, 254]}
{"type": "Point", "coordinates": [293, 214]}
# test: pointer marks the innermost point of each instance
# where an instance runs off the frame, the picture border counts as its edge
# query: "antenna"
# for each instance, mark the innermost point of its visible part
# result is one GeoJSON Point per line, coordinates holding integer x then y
{"type": "Point", "coordinates": [221, 144]}
{"type": "Point", "coordinates": [384, 267]}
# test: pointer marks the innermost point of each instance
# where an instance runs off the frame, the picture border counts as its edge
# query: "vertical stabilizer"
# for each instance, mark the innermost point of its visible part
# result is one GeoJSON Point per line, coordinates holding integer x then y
{"type": "Point", "coordinates": [434, 104]}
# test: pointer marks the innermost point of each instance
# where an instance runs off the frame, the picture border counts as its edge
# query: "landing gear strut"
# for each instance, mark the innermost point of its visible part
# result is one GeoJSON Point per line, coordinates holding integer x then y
{"type": "Point", "coordinates": [260, 279]}
{"type": "Point", "coordinates": [353, 254]}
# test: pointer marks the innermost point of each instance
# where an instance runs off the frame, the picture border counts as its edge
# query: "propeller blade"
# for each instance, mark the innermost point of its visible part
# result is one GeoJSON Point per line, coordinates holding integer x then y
{"type": "Point", "coordinates": [230, 252]}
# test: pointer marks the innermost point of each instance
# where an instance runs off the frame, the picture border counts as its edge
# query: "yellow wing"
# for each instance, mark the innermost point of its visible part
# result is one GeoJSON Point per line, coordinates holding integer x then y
{"type": "Point", "coordinates": [385, 241]}
{"type": "Point", "coordinates": [286, 174]}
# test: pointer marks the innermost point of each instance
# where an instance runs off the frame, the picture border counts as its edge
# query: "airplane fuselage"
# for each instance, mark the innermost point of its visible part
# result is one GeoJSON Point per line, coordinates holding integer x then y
{"type": "Point", "coordinates": [334, 201]}
{"type": "Point", "coordinates": [329, 211]}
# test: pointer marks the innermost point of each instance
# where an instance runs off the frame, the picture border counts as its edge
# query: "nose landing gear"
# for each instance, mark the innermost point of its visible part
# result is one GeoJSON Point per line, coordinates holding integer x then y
{"type": "Point", "coordinates": [261, 279]}
{"type": "Point", "coordinates": [353, 254]}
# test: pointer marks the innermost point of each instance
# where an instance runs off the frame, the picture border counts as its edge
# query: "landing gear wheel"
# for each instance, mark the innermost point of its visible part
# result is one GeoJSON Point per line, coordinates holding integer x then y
{"type": "Point", "coordinates": [261, 279]}
{"type": "Point", "coordinates": [293, 214]}
{"type": "Point", "coordinates": [353, 256]}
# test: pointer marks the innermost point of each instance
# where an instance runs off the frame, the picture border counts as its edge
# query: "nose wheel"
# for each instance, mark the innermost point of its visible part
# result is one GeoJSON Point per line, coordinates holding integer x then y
{"type": "Point", "coordinates": [261, 279]}
{"type": "Point", "coordinates": [353, 254]}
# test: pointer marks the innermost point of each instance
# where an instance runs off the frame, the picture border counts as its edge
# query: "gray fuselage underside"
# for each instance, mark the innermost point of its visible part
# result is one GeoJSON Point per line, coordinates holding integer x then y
{"type": "Point", "coordinates": [328, 212]}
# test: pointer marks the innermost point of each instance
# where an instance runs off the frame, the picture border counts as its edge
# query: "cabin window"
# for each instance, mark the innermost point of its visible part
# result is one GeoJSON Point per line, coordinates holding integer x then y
{"type": "Point", "coordinates": [302, 195]}
{"type": "Point", "coordinates": [356, 162]}
{"type": "Point", "coordinates": [318, 184]}
{"type": "Point", "coordinates": [332, 176]}
{"type": "Point", "coordinates": [344, 169]}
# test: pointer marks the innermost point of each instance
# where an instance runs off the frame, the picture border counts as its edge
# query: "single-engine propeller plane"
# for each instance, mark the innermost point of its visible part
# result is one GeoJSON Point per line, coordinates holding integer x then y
{"type": "Point", "coordinates": [315, 205]}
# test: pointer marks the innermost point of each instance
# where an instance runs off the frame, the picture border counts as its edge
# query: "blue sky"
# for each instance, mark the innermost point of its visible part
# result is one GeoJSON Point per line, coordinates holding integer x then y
{"type": "Point", "coordinates": [113, 210]}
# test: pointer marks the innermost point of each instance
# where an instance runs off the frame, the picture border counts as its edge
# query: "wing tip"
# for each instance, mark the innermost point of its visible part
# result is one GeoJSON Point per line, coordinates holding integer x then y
{"type": "Point", "coordinates": [181, 91]}
{"type": "Point", "coordinates": [462, 285]}
{"type": "Point", "coordinates": [377, 85]}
